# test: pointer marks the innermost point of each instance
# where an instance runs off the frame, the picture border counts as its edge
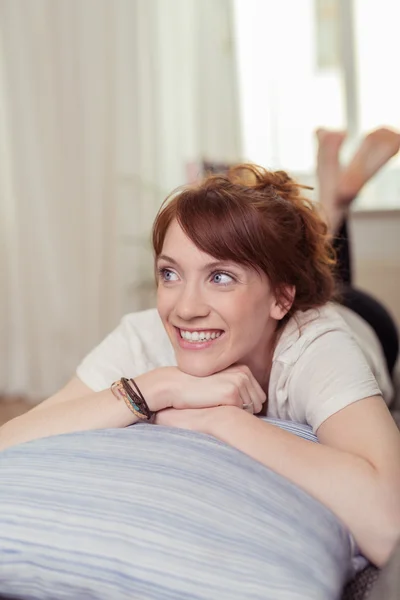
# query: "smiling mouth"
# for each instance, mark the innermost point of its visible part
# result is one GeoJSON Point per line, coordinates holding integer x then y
{"type": "Point", "coordinates": [199, 336]}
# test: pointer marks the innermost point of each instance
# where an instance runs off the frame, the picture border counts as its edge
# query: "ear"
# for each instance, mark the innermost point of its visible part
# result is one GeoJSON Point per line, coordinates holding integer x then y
{"type": "Point", "coordinates": [283, 301]}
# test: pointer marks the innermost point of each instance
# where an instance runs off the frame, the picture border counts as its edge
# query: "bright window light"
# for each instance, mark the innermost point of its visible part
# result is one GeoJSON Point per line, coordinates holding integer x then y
{"type": "Point", "coordinates": [292, 71]}
{"type": "Point", "coordinates": [285, 94]}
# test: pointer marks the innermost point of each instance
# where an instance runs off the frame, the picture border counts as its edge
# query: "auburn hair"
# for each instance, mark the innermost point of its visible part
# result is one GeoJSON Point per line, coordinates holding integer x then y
{"type": "Point", "coordinates": [259, 219]}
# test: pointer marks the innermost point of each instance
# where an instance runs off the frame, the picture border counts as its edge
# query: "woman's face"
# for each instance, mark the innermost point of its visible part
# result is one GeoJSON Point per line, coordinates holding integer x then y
{"type": "Point", "coordinates": [216, 313]}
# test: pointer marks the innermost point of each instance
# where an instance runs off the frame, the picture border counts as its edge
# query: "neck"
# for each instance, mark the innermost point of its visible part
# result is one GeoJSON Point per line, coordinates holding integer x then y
{"type": "Point", "coordinates": [261, 364]}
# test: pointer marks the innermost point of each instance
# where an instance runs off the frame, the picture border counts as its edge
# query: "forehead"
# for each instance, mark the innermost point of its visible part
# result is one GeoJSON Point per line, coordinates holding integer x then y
{"type": "Point", "coordinates": [175, 235]}
{"type": "Point", "coordinates": [180, 247]}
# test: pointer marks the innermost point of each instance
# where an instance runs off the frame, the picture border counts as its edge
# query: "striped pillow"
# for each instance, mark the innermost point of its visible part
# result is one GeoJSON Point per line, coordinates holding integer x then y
{"type": "Point", "coordinates": [155, 513]}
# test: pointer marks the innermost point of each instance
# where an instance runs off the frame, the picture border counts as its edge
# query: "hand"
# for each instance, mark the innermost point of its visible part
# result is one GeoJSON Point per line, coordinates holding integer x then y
{"type": "Point", "coordinates": [235, 386]}
{"type": "Point", "coordinates": [203, 420]}
{"type": "Point", "coordinates": [196, 419]}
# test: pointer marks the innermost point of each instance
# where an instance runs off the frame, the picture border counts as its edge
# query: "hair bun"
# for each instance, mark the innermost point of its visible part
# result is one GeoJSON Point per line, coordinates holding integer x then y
{"type": "Point", "coordinates": [259, 178]}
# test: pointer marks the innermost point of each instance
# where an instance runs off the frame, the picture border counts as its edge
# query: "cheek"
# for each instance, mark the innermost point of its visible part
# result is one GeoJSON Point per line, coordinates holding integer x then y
{"type": "Point", "coordinates": [163, 302]}
{"type": "Point", "coordinates": [250, 312]}
{"type": "Point", "coordinates": [251, 322]}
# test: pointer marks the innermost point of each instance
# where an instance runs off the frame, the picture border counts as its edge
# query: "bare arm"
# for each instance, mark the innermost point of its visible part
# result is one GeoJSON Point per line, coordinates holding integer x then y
{"type": "Point", "coordinates": [354, 471]}
{"type": "Point", "coordinates": [75, 388]}
{"type": "Point", "coordinates": [77, 408]}
{"type": "Point", "coordinates": [93, 411]}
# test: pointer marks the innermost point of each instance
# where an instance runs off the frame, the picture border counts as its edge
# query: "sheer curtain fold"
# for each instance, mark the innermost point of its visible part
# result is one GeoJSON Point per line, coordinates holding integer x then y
{"type": "Point", "coordinates": [102, 104]}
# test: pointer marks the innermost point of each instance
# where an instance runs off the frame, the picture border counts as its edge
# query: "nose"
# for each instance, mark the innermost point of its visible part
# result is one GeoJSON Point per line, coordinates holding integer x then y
{"type": "Point", "coordinates": [191, 303]}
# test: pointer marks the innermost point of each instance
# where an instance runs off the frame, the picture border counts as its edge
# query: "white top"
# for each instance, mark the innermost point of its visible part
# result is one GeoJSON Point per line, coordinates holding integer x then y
{"type": "Point", "coordinates": [319, 366]}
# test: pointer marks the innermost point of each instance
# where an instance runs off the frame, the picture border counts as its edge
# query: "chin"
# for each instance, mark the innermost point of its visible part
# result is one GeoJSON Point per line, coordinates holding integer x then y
{"type": "Point", "coordinates": [198, 369]}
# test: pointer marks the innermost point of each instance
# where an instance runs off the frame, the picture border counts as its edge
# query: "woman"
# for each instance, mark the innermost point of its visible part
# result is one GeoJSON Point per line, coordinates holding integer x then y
{"type": "Point", "coordinates": [244, 272]}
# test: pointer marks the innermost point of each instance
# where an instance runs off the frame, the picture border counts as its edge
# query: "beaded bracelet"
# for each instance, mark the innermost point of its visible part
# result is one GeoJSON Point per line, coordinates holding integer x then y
{"type": "Point", "coordinates": [120, 393]}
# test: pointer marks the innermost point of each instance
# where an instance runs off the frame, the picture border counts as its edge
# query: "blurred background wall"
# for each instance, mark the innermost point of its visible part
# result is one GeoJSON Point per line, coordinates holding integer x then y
{"type": "Point", "coordinates": [108, 105]}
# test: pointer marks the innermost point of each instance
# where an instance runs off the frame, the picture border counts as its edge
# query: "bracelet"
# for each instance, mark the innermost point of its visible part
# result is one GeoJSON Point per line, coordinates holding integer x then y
{"type": "Point", "coordinates": [137, 400]}
{"type": "Point", "coordinates": [142, 402]}
{"type": "Point", "coordinates": [133, 398]}
{"type": "Point", "coordinates": [120, 394]}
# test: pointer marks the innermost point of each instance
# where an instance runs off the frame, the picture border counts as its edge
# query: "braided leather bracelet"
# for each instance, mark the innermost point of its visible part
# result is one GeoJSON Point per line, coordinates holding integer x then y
{"type": "Point", "coordinates": [135, 401]}
{"type": "Point", "coordinates": [118, 390]}
{"type": "Point", "coordinates": [136, 398]}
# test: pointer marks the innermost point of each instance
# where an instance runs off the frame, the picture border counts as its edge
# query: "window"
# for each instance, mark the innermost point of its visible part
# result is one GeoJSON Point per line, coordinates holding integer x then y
{"type": "Point", "coordinates": [317, 63]}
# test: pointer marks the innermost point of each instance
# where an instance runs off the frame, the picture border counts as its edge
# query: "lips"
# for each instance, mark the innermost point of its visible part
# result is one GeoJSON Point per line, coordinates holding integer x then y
{"type": "Point", "coordinates": [198, 339]}
{"type": "Point", "coordinates": [200, 334]}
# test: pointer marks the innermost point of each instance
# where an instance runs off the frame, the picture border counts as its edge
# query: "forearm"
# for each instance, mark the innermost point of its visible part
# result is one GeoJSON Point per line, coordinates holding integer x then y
{"type": "Point", "coordinates": [96, 411]}
{"type": "Point", "coordinates": [347, 484]}
{"type": "Point", "coordinates": [99, 410]}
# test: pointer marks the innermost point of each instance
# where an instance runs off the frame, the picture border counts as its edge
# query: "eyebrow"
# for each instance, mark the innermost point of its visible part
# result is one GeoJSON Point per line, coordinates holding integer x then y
{"type": "Point", "coordinates": [211, 265]}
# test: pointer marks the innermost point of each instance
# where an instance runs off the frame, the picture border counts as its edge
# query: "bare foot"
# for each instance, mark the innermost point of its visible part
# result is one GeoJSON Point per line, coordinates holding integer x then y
{"type": "Point", "coordinates": [375, 150]}
{"type": "Point", "coordinates": [330, 141]}
{"type": "Point", "coordinates": [328, 173]}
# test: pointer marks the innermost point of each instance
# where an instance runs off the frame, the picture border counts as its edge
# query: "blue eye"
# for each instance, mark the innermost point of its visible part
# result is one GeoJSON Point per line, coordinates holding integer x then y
{"type": "Point", "coordinates": [167, 275]}
{"type": "Point", "coordinates": [222, 278]}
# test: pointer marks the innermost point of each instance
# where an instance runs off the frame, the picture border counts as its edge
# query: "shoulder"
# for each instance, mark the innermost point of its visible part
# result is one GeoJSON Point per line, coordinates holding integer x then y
{"type": "Point", "coordinates": [336, 332]}
{"type": "Point", "coordinates": [318, 368]}
{"type": "Point", "coordinates": [305, 328]}
{"type": "Point", "coordinates": [145, 335]}
{"type": "Point", "coordinates": [137, 345]}
{"type": "Point", "coordinates": [144, 323]}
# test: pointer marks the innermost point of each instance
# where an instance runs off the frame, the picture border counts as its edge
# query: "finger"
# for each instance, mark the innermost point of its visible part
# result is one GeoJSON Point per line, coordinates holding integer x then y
{"type": "Point", "coordinates": [249, 408]}
{"type": "Point", "coordinates": [253, 395]}
{"type": "Point", "coordinates": [244, 391]}
{"type": "Point", "coordinates": [259, 393]}
{"type": "Point", "coordinates": [254, 389]}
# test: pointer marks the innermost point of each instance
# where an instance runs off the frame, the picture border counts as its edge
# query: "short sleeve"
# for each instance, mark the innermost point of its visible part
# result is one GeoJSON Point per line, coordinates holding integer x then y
{"type": "Point", "coordinates": [112, 359]}
{"type": "Point", "coordinates": [329, 375]}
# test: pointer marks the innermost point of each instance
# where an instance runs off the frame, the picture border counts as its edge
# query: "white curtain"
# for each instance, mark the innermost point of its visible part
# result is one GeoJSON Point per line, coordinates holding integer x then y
{"type": "Point", "coordinates": [102, 105]}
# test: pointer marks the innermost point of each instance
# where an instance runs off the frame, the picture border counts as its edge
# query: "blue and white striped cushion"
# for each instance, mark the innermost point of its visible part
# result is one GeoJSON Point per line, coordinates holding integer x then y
{"type": "Point", "coordinates": [154, 513]}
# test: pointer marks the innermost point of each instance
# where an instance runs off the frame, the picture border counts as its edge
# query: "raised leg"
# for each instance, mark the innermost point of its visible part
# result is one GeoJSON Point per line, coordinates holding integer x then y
{"type": "Point", "coordinates": [376, 149]}
{"type": "Point", "coordinates": [328, 174]}
{"type": "Point", "coordinates": [338, 186]}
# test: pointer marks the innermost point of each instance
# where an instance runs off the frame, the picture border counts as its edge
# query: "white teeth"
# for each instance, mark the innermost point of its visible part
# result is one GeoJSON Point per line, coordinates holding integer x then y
{"type": "Point", "coordinates": [196, 336]}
